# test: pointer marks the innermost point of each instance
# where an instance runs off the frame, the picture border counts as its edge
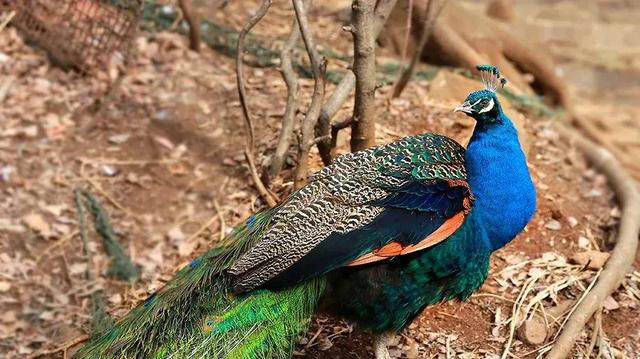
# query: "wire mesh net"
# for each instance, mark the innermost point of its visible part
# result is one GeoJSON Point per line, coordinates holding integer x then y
{"type": "Point", "coordinates": [79, 33]}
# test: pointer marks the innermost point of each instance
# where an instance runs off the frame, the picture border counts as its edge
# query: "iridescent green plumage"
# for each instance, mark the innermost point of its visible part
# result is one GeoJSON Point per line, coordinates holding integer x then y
{"type": "Point", "coordinates": [195, 314]}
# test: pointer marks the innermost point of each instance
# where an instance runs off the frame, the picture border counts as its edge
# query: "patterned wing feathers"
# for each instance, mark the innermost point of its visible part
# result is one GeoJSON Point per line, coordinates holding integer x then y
{"type": "Point", "coordinates": [419, 173]}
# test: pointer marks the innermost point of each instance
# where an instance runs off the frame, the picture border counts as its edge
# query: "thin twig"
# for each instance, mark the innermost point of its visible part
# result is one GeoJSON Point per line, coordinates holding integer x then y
{"type": "Point", "coordinates": [48, 252]}
{"type": "Point", "coordinates": [5, 87]}
{"type": "Point", "coordinates": [7, 18]}
{"type": "Point", "coordinates": [288, 120]}
{"type": "Point", "coordinates": [528, 286]}
{"type": "Point", "coordinates": [223, 225]}
{"type": "Point", "coordinates": [597, 327]}
{"type": "Point", "coordinates": [63, 348]}
{"type": "Point", "coordinates": [346, 85]}
{"type": "Point", "coordinates": [318, 66]}
{"type": "Point", "coordinates": [430, 16]}
{"type": "Point", "coordinates": [363, 129]}
{"type": "Point", "coordinates": [249, 146]}
{"type": "Point", "coordinates": [217, 216]}
{"type": "Point", "coordinates": [623, 254]}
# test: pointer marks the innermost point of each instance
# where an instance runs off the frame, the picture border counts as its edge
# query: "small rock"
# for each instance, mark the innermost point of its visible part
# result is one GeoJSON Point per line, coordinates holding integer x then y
{"type": "Point", "coordinates": [584, 242]}
{"type": "Point", "coordinates": [4, 287]}
{"type": "Point", "coordinates": [572, 221]}
{"type": "Point", "coordinates": [119, 139]}
{"type": "Point", "coordinates": [592, 259]}
{"type": "Point", "coordinates": [5, 173]}
{"type": "Point", "coordinates": [610, 304]}
{"type": "Point", "coordinates": [109, 170]}
{"type": "Point", "coordinates": [553, 225]}
{"type": "Point", "coordinates": [533, 331]}
{"type": "Point", "coordinates": [133, 178]}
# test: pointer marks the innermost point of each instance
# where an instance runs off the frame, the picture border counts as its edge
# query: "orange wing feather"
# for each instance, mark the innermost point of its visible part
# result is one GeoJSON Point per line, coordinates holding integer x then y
{"type": "Point", "coordinates": [394, 249]}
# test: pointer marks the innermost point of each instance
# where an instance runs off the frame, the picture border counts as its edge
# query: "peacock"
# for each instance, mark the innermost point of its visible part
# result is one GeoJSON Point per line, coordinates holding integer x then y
{"type": "Point", "coordinates": [374, 238]}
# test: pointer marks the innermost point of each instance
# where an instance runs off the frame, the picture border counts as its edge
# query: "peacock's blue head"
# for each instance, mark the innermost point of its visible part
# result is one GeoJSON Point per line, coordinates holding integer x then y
{"type": "Point", "coordinates": [483, 105]}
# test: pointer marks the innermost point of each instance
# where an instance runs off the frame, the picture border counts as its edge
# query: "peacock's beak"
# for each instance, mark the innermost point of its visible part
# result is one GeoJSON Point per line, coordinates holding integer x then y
{"type": "Point", "coordinates": [465, 107]}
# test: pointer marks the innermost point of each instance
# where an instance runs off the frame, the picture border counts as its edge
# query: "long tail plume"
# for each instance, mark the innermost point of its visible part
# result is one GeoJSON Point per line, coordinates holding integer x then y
{"type": "Point", "coordinates": [196, 315]}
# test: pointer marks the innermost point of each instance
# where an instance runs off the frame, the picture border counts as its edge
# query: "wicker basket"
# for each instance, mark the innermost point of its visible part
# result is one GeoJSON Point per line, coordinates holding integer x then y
{"type": "Point", "coordinates": [78, 33]}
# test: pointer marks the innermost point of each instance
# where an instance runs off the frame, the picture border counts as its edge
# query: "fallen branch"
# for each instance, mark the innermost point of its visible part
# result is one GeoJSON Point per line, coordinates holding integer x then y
{"type": "Point", "coordinates": [623, 254]}
{"type": "Point", "coordinates": [288, 120]}
{"type": "Point", "coordinates": [429, 18]}
{"type": "Point", "coordinates": [193, 20]}
{"type": "Point", "coordinates": [363, 129]}
{"type": "Point", "coordinates": [596, 135]}
{"type": "Point", "coordinates": [346, 85]}
{"type": "Point", "coordinates": [318, 66]}
{"type": "Point", "coordinates": [250, 140]}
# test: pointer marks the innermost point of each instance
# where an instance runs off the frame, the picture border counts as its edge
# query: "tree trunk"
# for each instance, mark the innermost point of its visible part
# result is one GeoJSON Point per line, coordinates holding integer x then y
{"type": "Point", "coordinates": [363, 130]}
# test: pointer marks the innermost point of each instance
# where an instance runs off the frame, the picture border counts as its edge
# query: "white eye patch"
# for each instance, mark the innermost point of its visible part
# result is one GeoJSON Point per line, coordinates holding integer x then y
{"type": "Point", "coordinates": [488, 107]}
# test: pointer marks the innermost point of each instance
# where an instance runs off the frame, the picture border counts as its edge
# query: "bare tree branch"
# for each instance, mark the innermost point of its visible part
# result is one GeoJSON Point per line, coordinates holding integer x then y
{"type": "Point", "coordinates": [429, 18]}
{"type": "Point", "coordinates": [249, 146]}
{"type": "Point", "coordinates": [363, 130]}
{"type": "Point", "coordinates": [623, 254]}
{"type": "Point", "coordinates": [308, 125]}
{"type": "Point", "coordinates": [346, 85]}
{"type": "Point", "coordinates": [288, 120]}
{"type": "Point", "coordinates": [193, 20]}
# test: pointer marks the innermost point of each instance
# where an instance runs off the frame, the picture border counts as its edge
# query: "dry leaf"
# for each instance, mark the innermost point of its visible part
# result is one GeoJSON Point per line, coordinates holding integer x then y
{"type": "Point", "coordinates": [37, 223]}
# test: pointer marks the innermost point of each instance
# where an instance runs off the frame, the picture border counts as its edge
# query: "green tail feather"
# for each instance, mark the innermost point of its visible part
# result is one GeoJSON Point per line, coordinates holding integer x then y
{"type": "Point", "coordinates": [196, 315]}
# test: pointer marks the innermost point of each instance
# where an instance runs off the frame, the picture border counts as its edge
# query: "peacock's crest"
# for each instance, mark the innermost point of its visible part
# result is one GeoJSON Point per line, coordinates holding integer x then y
{"type": "Point", "coordinates": [491, 77]}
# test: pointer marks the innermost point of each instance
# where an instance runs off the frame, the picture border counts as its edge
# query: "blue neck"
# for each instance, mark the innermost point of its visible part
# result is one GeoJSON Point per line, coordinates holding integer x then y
{"type": "Point", "coordinates": [499, 179]}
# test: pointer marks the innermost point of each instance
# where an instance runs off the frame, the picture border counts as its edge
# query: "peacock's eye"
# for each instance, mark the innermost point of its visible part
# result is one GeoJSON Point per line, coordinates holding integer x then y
{"type": "Point", "coordinates": [484, 102]}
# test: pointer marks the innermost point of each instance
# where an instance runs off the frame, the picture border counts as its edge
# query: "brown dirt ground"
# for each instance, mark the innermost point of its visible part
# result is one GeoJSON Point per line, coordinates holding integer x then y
{"type": "Point", "coordinates": [174, 138]}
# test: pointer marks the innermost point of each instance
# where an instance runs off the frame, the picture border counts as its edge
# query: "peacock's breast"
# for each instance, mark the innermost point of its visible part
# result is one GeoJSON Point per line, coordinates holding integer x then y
{"type": "Point", "coordinates": [390, 294]}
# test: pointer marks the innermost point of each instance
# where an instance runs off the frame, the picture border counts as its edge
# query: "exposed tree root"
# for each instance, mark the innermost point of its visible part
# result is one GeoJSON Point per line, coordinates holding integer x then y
{"type": "Point", "coordinates": [501, 10]}
{"type": "Point", "coordinates": [623, 254]}
{"type": "Point", "coordinates": [429, 18]}
{"type": "Point", "coordinates": [464, 39]}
